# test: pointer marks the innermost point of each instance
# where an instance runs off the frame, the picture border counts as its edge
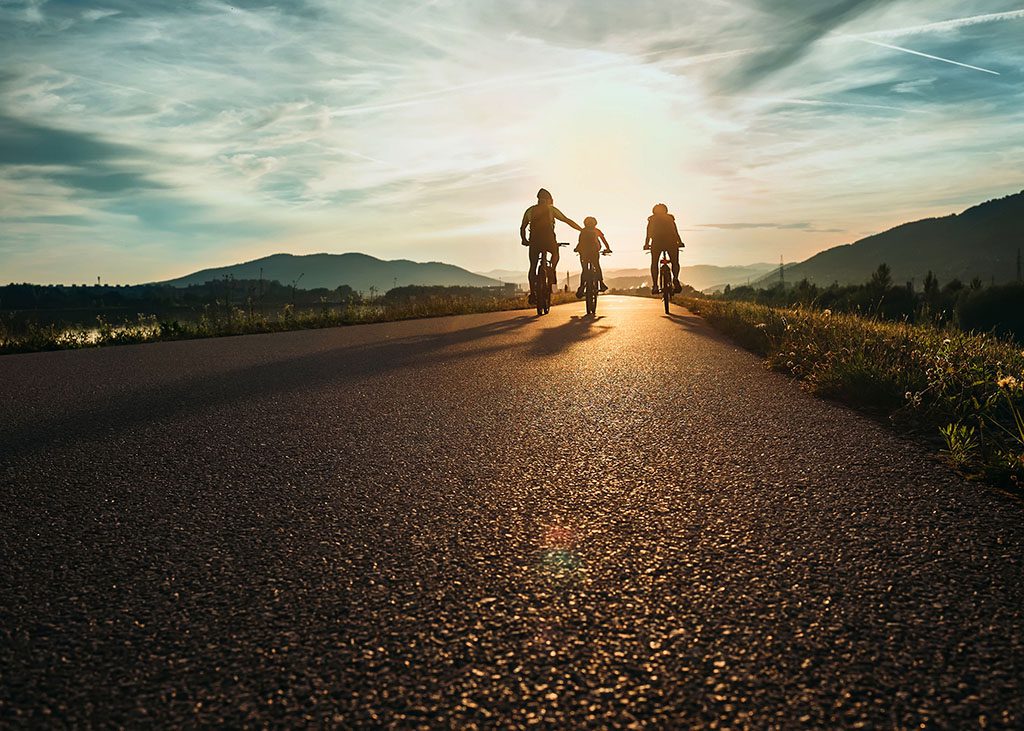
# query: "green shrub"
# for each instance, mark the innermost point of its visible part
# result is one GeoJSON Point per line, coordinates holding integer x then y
{"type": "Point", "coordinates": [995, 309]}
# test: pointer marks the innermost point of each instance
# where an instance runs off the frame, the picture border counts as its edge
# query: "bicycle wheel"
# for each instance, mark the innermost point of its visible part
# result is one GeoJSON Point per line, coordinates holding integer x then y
{"type": "Point", "coordinates": [539, 285]}
{"type": "Point", "coordinates": [666, 287]}
{"type": "Point", "coordinates": [544, 296]}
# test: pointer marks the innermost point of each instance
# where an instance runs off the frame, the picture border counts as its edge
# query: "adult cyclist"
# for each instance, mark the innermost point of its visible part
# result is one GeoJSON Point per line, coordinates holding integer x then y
{"type": "Point", "coordinates": [663, 235]}
{"type": "Point", "coordinates": [541, 220]}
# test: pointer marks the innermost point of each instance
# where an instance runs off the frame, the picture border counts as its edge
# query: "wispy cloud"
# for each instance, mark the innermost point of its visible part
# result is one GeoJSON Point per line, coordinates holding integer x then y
{"type": "Point", "coordinates": [792, 28]}
{"type": "Point", "coordinates": [914, 87]}
{"type": "Point", "coordinates": [831, 103]}
{"type": "Point", "coordinates": [799, 226]}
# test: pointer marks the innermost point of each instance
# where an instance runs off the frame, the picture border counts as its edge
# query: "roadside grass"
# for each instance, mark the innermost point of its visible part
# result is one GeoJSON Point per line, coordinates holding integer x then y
{"type": "Point", "coordinates": [217, 322]}
{"type": "Point", "coordinates": [963, 391]}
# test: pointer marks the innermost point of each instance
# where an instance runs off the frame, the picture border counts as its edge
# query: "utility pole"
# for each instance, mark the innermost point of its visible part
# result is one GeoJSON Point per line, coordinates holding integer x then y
{"type": "Point", "coordinates": [782, 276]}
{"type": "Point", "coordinates": [295, 283]}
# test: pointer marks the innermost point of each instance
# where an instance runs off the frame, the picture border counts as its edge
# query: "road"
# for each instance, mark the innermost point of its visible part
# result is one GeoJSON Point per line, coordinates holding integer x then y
{"type": "Point", "coordinates": [488, 520]}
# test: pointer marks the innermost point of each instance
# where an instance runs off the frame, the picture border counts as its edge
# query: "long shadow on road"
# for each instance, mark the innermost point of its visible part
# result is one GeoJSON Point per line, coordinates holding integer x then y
{"type": "Point", "coordinates": [136, 406]}
{"type": "Point", "coordinates": [554, 340]}
{"type": "Point", "coordinates": [133, 407]}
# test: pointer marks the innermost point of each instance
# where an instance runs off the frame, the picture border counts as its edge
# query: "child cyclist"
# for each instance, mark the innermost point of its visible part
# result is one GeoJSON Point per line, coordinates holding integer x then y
{"type": "Point", "coordinates": [589, 249]}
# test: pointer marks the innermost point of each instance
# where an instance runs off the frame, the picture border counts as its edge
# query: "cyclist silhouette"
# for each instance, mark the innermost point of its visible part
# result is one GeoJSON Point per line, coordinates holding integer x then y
{"type": "Point", "coordinates": [541, 220]}
{"type": "Point", "coordinates": [663, 235]}
{"type": "Point", "coordinates": [589, 249]}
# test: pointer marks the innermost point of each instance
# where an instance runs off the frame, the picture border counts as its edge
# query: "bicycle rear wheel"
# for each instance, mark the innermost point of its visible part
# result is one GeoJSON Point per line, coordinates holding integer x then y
{"type": "Point", "coordinates": [544, 297]}
{"type": "Point", "coordinates": [666, 287]}
{"type": "Point", "coordinates": [590, 290]}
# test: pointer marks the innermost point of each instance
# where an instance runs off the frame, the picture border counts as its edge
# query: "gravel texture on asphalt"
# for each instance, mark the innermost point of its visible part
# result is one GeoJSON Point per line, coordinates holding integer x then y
{"type": "Point", "coordinates": [488, 520]}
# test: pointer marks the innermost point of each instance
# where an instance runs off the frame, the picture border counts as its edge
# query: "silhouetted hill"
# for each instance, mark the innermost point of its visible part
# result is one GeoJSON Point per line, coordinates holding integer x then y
{"type": "Point", "coordinates": [980, 242]}
{"type": "Point", "coordinates": [358, 271]}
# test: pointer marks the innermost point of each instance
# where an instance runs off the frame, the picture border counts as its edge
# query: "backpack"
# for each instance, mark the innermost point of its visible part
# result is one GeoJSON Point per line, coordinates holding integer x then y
{"type": "Point", "coordinates": [663, 230]}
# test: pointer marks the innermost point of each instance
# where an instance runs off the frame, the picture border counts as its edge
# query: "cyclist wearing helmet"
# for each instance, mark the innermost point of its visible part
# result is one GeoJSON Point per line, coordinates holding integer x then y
{"type": "Point", "coordinates": [589, 249]}
{"type": "Point", "coordinates": [541, 220]}
{"type": "Point", "coordinates": [663, 235]}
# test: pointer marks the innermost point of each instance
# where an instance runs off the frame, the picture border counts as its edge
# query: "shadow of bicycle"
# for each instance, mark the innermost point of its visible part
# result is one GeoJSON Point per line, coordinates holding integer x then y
{"type": "Point", "coordinates": [577, 329]}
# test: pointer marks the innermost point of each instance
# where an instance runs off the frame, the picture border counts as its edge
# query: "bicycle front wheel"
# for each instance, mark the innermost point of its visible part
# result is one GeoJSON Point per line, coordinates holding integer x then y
{"type": "Point", "coordinates": [666, 287]}
{"type": "Point", "coordinates": [544, 296]}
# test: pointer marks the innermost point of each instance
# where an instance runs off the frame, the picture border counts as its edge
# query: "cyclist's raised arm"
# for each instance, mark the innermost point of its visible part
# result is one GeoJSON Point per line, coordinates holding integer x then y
{"type": "Point", "coordinates": [603, 240]}
{"type": "Point", "coordinates": [522, 226]}
{"type": "Point", "coordinates": [561, 217]}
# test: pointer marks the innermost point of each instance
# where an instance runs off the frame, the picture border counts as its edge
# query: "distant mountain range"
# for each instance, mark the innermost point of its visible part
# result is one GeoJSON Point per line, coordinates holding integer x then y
{"type": "Point", "coordinates": [359, 271]}
{"type": "Point", "coordinates": [983, 241]}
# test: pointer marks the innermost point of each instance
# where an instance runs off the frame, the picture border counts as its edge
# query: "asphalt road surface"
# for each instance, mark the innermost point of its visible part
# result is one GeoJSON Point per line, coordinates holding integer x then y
{"type": "Point", "coordinates": [494, 521]}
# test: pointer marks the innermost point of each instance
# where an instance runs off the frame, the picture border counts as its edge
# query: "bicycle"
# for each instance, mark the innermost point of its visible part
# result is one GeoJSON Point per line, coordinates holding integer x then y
{"type": "Point", "coordinates": [545, 280]}
{"type": "Point", "coordinates": [591, 284]}
{"type": "Point", "coordinates": [666, 283]}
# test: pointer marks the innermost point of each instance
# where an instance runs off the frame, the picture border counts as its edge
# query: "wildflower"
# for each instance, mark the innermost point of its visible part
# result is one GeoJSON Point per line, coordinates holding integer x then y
{"type": "Point", "coordinates": [761, 325]}
{"type": "Point", "coordinates": [827, 313]}
{"type": "Point", "coordinates": [947, 341]}
{"type": "Point", "coordinates": [1009, 383]}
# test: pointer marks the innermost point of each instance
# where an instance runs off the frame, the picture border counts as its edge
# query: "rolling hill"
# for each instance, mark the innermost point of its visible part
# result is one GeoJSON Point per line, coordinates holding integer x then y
{"type": "Point", "coordinates": [359, 271]}
{"type": "Point", "coordinates": [980, 242]}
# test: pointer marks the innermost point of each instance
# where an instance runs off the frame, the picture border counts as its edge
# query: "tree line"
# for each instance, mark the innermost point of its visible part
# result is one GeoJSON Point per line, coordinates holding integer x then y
{"type": "Point", "coordinates": [970, 306]}
{"type": "Point", "coordinates": [227, 292]}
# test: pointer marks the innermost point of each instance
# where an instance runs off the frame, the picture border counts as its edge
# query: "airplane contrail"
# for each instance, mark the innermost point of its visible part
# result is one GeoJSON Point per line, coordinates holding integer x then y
{"type": "Point", "coordinates": [925, 55]}
{"type": "Point", "coordinates": [942, 25]}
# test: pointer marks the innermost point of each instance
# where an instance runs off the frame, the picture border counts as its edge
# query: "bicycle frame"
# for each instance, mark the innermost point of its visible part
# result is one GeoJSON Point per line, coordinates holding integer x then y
{"type": "Point", "coordinates": [667, 285]}
{"type": "Point", "coordinates": [589, 282]}
{"type": "Point", "coordinates": [544, 280]}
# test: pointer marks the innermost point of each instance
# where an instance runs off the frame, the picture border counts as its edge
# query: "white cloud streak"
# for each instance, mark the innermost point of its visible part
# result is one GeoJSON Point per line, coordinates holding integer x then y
{"type": "Point", "coordinates": [945, 26]}
{"type": "Point", "coordinates": [926, 55]}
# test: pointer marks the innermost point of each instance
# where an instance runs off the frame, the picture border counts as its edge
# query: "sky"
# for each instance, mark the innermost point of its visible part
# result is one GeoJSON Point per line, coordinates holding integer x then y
{"type": "Point", "coordinates": [145, 140]}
